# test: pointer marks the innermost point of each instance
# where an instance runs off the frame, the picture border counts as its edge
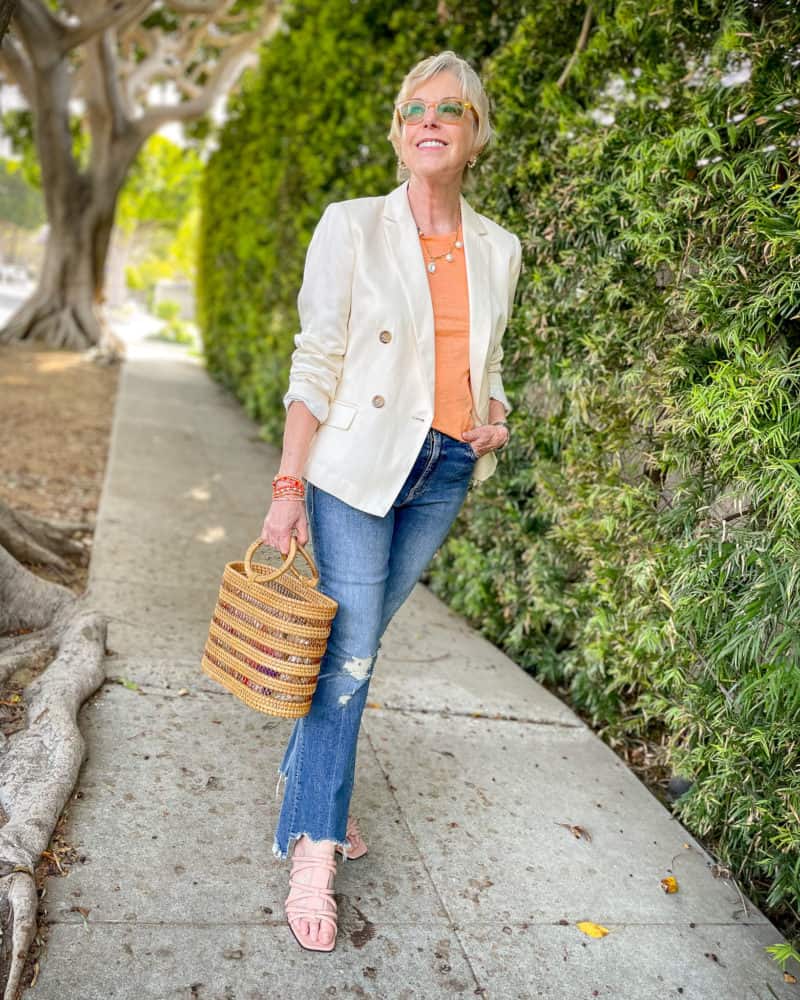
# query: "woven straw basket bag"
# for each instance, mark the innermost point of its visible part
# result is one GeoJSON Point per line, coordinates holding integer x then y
{"type": "Point", "coordinates": [269, 633]}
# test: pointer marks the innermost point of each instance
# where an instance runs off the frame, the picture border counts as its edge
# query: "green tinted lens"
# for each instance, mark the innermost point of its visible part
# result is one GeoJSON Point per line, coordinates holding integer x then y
{"type": "Point", "coordinates": [450, 110]}
{"type": "Point", "coordinates": [412, 111]}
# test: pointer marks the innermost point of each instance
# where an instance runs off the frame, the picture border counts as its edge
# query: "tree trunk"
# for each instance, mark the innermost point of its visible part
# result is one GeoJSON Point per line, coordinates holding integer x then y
{"type": "Point", "coordinates": [64, 310]}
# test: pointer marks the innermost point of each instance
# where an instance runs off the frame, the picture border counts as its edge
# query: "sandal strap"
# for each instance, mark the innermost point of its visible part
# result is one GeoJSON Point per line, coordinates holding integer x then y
{"type": "Point", "coordinates": [302, 864]}
{"type": "Point", "coordinates": [296, 908]}
{"type": "Point", "coordinates": [353, 833]}
{"type": "Point", "coordinates": [303, 893]}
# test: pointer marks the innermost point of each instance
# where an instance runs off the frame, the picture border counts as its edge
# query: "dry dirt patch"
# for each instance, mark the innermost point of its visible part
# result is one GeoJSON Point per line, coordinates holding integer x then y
{"type": "Point", "coordinates": [55, 410]}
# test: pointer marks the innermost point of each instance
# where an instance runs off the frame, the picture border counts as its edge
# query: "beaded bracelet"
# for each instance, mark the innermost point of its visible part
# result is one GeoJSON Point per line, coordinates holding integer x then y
{"type": "Point", "coordinates": [287, 488]}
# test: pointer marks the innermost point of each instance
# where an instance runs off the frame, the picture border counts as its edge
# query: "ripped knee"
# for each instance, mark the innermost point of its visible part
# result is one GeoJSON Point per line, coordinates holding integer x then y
{"type": "Point", "coordinates": [347, 678]}
{"type": "Point", "coordinates": [358, 666]}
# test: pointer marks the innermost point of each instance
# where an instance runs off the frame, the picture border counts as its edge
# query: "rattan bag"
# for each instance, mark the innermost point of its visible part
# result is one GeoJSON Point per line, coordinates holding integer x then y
{"type": "Point", "coordinates": [269, 633]}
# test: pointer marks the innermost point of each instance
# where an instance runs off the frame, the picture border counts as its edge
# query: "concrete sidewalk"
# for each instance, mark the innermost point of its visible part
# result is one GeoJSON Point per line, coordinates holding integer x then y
{"type": "Point", "coordinates": [467, 772]}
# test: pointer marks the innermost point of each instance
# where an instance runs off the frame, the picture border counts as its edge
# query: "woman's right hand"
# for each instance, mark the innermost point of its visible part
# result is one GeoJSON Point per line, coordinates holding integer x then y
{"type": "Point", "coordinates": [284, 519]}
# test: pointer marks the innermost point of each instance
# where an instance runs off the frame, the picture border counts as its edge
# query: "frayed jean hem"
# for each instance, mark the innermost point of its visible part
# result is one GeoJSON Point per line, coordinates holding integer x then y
{"type": "Point", "coordinates": [283, 855]}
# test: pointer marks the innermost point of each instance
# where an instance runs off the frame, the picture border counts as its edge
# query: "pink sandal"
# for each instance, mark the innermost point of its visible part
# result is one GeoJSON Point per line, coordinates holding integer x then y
{"type": "Point", "coordinates": [303, 906]}
{"type": "Point", "coordinates": [357, 846]}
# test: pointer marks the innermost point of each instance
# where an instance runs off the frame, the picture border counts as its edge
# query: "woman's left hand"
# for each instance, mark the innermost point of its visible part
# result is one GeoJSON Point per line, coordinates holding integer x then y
{"type": "Point", "coordinates": [486, 437]}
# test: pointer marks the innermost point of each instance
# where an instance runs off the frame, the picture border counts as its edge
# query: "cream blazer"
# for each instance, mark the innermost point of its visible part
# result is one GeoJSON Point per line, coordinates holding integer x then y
{"type": "Point", "coordinates": [364, 358]}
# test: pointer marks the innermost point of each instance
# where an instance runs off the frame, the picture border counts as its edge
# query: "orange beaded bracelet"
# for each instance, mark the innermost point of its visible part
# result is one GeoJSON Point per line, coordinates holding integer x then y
{"type": "Point", "coordinates": [287, 488]}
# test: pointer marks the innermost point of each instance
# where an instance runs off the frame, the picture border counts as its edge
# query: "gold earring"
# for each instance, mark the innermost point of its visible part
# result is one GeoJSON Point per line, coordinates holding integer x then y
{"type": "Point", "coordinates": [473, 161]}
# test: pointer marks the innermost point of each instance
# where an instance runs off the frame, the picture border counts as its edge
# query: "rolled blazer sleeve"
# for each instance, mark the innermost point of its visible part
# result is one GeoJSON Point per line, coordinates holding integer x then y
{"type": "Point", "coordinates": [323, 304]}
{"type": "Point", "coordinates": [496, 390]}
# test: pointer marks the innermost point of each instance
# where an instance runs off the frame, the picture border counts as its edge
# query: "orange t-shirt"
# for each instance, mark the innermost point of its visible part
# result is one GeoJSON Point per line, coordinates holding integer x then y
{"type": "Point", "coordinates": [452, 412]}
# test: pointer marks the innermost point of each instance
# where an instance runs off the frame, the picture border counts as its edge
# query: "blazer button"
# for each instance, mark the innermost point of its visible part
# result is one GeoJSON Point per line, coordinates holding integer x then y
{"type": "Point", "coordinates": [378, 400]}
{"type": "Point", "coordinates": [385, 336]}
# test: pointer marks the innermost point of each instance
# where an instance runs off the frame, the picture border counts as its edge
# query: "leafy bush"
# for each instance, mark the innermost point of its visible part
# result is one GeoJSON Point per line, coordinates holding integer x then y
{"type": "Point", "coordinates": [174, 330]}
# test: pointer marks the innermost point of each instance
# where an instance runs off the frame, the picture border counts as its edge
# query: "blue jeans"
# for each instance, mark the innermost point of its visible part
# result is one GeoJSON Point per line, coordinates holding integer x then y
{"type": "Point", "coordinates": [370, 565]}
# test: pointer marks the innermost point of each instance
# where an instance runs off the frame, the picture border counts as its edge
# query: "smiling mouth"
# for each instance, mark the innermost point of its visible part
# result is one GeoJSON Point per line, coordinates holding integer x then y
{"type": "Point", "coordinates": [431, 144]}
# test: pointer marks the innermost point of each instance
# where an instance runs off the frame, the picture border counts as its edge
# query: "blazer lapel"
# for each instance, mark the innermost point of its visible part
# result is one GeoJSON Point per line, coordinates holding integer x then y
{"type": "Point", "coordinates": [403, 241]}
{"type": "Point", "coordinates": [479, 279]}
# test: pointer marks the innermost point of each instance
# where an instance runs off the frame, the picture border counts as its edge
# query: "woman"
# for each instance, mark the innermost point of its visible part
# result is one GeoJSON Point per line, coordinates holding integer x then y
{"type": "Point", "coordinates": [395, 404]}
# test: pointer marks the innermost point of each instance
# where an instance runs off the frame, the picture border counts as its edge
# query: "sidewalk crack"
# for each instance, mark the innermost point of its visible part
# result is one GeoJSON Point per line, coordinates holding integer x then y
{"type": "Point", "coordinates": [492, 716]}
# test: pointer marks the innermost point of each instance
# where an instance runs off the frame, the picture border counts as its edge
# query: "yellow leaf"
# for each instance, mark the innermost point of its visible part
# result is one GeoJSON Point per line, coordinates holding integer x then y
{"type": "Point", "coordinates": [789, 978]}
{"type": "Point", "coordinates": [591, 930]}
{"type": "Point", "coordinates": [576, 831]}
{"type": "Point", "coordinates": [669, 884]}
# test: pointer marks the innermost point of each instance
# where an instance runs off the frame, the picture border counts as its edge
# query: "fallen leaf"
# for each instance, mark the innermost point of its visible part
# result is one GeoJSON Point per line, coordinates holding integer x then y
{"type": "Point", "coordinates": [789, 978]}
{"type": "Point", "coordinates": [183, 691]}
{"type": "Point", "coordinates": [576, 831]}
{"type": "Point", "coordinates": [131, 685]}
{"type": "Point", "coordinates": [591, 930]}
{"type": "Point", "coordinates": [84, 914]}
{"type": "Point", "coordinates": [669, 884]}
{"type": "Point", "coordinates": [374, 704]}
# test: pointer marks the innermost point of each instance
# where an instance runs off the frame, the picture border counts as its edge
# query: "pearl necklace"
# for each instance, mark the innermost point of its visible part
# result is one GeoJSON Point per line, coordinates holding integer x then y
{"type": "Point", "coordinates": [448, 254]}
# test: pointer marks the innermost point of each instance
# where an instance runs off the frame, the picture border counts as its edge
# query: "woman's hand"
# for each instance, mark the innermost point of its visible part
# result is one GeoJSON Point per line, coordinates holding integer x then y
{"type": "Point", "coordinates": [284, 519]}
{"type": "Point", "coordinates": [486, 437]}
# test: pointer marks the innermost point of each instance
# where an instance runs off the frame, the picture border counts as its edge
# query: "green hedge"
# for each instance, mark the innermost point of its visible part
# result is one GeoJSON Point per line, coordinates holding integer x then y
{"type": "Point", "coordinates": [637, 548]}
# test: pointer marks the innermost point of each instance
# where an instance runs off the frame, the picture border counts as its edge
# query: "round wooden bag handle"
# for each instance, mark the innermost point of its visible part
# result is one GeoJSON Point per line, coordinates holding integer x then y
{"type": "Point", "coordinates": [264, 574]}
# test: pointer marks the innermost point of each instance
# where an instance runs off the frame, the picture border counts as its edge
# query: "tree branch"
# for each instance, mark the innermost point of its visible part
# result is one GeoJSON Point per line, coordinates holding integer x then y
{"type": "Point", "coordinates": [118, 14]}
{"type": "Point", "coordinates": [197, 8]}
{"type": "Point", "coordinates": [17, 66]}
{"type": "Point", "coordinates": [579, 47]}
{"type": "Point", "coordinates": [230, 65]}
{"type": "Point", "coordinates": [40, 30]}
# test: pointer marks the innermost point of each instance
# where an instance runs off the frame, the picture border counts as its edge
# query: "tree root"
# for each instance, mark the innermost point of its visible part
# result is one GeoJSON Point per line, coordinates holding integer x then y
{"type": "Point", "coordinates": [28, 652]}
{"type": "Point", "coordinates": [53, 324]}
{"type": "Point", "coordinates": [70, 326]}
{"type": "Point", "coordinates": [32, 540]}
{"type": "Point", "coordinates": [40, 763]}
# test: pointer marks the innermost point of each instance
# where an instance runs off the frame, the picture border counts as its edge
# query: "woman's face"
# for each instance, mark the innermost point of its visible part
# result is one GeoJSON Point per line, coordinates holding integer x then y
{"type": "Point", "coordinates": [434, 148]}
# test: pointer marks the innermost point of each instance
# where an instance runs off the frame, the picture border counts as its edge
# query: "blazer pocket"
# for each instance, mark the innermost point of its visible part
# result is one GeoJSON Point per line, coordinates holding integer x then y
{"type": "Point", "coordinates": [340, 414]}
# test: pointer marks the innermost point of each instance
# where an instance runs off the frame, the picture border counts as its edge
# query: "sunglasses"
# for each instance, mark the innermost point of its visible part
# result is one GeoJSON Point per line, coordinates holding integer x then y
{"type": "Point", "coordinates": [451, 109]}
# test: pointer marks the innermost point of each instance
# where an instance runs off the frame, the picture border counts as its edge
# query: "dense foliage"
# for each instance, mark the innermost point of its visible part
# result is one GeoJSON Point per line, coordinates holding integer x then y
{"type": "Point", "coordinates": [638, 545]}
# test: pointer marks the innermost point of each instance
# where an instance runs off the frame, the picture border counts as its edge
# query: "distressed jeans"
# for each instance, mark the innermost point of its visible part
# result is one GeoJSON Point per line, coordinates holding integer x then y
{"type": "Point", "coordinates": [370, 565]}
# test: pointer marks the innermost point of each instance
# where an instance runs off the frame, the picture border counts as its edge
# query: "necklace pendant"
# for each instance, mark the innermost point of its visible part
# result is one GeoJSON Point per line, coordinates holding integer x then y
{"type": "Point", "coordinates": [431, 267]}
{"type": "Point", "coordinates": [459, 244]}
{"type": "Point", "coordinates": [448, 256]}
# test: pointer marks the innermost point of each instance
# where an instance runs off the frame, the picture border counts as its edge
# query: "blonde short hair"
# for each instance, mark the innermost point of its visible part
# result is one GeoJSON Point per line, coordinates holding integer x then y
{"type": "Point", "coordinates": [471, 90]}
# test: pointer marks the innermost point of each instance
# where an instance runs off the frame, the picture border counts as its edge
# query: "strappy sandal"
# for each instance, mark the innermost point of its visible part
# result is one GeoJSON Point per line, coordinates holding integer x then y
{"type": "Point", "coordinates": [358, 848]}
{"type": "Point", "coordinates": [302, 906]}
